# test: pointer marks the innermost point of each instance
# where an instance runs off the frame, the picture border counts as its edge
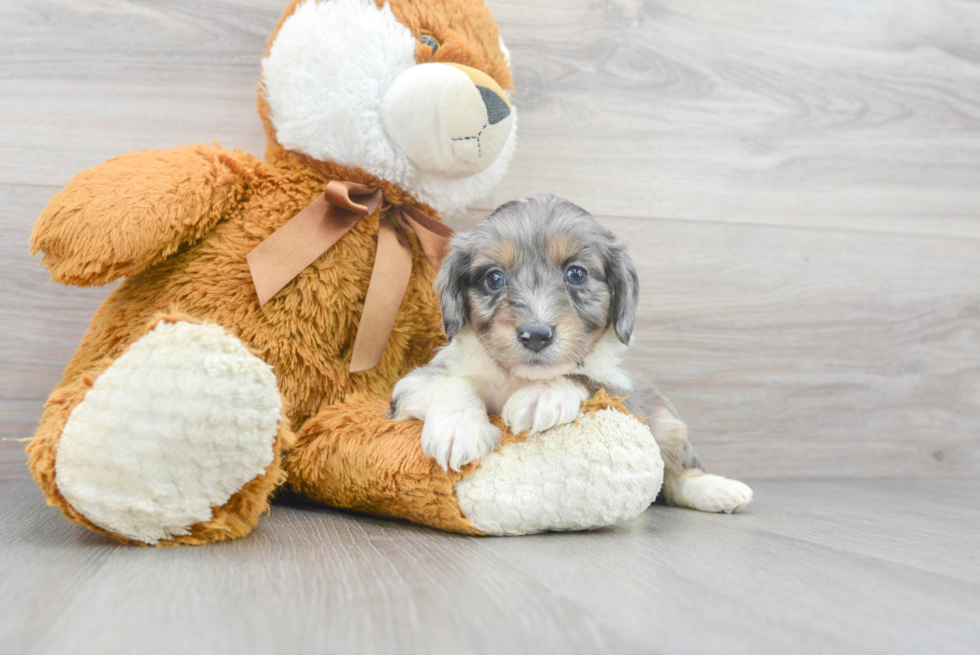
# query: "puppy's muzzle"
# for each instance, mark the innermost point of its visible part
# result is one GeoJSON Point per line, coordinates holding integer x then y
{"type": "Point", "coordinates": [536, 337]}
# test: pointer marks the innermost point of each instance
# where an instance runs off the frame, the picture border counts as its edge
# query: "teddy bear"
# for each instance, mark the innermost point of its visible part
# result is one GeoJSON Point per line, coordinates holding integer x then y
{"type": "Point", "coordinates": [268, 306]}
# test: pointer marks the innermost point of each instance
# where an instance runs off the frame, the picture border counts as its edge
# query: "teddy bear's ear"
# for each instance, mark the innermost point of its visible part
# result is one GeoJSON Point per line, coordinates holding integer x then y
{"type": "Point", "coordinates": [451, 283]}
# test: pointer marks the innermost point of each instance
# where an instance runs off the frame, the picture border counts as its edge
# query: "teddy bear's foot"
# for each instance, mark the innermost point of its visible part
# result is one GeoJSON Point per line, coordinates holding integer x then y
{"type": "Point", "coordinates": [169, 435]}
{"type": "Point", "coordinates": [600, 470]}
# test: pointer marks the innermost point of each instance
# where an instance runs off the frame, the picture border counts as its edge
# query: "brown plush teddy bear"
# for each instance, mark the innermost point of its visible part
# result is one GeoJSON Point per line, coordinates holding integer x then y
{"type": "Point", "coordinates": [269, 306]}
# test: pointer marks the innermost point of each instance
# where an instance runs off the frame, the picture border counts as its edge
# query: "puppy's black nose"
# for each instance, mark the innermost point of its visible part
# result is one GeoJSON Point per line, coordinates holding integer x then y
{"type": "Point", "coordinates": [536, 337]}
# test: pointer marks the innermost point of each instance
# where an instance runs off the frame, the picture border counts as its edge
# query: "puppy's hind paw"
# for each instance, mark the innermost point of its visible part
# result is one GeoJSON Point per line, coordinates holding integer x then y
{"type": "Point", "coordinates": [543, 405]}
{"type": "Point", "coordinates": [454, 439]}
{"type": "Point", "coordinates": [707, 492]}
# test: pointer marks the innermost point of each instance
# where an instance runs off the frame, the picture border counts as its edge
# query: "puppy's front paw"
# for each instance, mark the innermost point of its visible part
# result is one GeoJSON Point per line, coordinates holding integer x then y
{"type": "Point", "coordinates": [454, 439]}
{"type": "Point", "coordinates": [543, 405]}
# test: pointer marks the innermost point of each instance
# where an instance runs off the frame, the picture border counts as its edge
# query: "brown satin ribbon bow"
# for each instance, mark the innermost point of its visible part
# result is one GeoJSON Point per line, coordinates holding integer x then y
{"type": "Point", "coordinates": [311, 232]}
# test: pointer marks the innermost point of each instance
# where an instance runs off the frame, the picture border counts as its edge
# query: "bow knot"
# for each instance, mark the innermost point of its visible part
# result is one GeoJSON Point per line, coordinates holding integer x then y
{"type": "Point", "coordinates": [306, 236]}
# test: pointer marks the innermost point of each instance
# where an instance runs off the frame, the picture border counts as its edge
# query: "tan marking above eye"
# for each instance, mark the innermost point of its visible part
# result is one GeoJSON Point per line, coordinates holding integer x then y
{"type": "Point", "coordinates": [561, 248]}
{"type": "Point", "coordinates": [504, 254]}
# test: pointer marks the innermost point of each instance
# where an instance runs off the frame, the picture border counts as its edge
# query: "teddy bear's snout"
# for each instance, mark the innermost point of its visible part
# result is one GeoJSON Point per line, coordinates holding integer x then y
{"type": "Point", "coordinates": [448, 119]}
{"type": "Point", "coordinates": [497, 107]}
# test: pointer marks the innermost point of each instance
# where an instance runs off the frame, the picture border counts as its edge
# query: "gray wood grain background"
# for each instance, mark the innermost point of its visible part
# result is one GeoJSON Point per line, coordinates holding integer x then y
{"type": "Point", "coordinates": [800, 183]}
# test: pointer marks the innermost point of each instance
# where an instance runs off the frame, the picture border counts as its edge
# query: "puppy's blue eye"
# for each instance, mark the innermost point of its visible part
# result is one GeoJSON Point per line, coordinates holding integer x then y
{"type": "Point", "coordinates": [496, 280]}
{"type": "Point", "coordinates": [576, 276]}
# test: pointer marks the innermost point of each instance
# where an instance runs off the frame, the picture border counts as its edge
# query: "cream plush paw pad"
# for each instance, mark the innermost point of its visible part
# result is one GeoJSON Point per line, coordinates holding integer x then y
{"type": "Point", "coordinates": [604, 469]}
{"type": "Point", "coordinates": [173, 428]}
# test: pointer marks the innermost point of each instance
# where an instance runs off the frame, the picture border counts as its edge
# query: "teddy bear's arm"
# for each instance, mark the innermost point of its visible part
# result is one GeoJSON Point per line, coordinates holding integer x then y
{"type": "Point", "coordinates": [124, 215]}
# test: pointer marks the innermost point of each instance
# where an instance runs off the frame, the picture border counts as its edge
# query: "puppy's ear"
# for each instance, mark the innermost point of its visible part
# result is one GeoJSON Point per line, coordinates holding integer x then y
{"type": "Point", "coordinates": [624, 284]}
{"type": "Point", "coordinates": [451, 283]}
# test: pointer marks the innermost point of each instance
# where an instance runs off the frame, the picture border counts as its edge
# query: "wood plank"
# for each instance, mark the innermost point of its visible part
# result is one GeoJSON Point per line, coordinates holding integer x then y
{"type": "Point", "coordinates": [313, 580]}
{"type": "Point", "coordinates": [689, 582]}
{"type": "Point", "coordinates": [798, 353]}
{"type": "Point", "coordinates": [826, 114]}
{"type": "Point", "coordinates": [885, 520]}
{"type": "Point", "coordinates": [832, 115]}
{"type": "Point", "coordinates": [87, 81]}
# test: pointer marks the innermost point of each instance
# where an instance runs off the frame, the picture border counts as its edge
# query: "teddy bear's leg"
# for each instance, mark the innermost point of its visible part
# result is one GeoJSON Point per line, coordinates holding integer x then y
{"type": "Point", "coordinates": [177, 440]}
{"type": "Point", "coordinates": [602, 469]}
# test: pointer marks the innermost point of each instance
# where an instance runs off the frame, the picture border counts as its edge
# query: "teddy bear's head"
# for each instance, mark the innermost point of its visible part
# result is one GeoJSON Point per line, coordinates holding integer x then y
{"type": "Point", "coordinates": [411, 91]}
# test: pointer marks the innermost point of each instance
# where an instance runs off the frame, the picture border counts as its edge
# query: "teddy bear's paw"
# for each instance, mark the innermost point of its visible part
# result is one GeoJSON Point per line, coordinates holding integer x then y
{"type": "Point", "coordinates": [601, 470]}
{"type": "Point", "coordinates": [178, 424]}
{"type": "Point", "coordinates": [541, 406]}
{"type": "Point", "coordinates": [707, 492]}
{"type": "Point", "coordinates": [454, 439]}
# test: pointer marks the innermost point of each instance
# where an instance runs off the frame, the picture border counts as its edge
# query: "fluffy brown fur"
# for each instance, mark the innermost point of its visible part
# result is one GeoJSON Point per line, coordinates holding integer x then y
{"type": "Point", "coordinates": [306, 332]}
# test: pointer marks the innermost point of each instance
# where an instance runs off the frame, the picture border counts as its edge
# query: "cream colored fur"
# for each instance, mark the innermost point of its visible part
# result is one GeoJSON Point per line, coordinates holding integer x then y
{"type": "Point", "coordinates": [173, 428]}
{"type": "Point", "coordinates": [436, 115]}
{"type": "Point", "coordinates": [543, 404]}
{"type": "Point", "coordinates": [569, 478]}
{"type": "Point", "coordinates": [707, 492]}
{"type": "Point", "coordinates": [455, 403]}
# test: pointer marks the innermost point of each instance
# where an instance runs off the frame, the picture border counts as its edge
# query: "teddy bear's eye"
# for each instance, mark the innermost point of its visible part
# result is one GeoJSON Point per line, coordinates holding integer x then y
{"type": "Point", "coordinates": [430, 41]}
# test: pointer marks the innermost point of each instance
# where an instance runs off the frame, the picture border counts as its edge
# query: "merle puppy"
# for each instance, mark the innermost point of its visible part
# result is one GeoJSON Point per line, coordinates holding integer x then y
{"type": "Point", "coordinates": [539, 303]}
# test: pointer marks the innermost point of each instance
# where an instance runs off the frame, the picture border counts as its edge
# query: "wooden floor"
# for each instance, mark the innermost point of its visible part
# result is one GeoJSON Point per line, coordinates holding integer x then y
{"type": "Point", "coordinates": [800, 183]}
{"type": "Point", "coordinates": [872, 566]}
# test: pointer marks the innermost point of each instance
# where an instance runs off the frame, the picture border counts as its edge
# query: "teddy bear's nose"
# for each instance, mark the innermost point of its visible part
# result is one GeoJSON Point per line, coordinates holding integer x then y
{"type": "Point", "coordinates": [497, 107]}
{"type": "Point", "coordinates": [447, 118]}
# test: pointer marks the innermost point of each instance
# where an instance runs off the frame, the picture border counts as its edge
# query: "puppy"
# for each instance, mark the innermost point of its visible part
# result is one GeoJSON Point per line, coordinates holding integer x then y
{"type": "Point", "coordinates": [539, 303]}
